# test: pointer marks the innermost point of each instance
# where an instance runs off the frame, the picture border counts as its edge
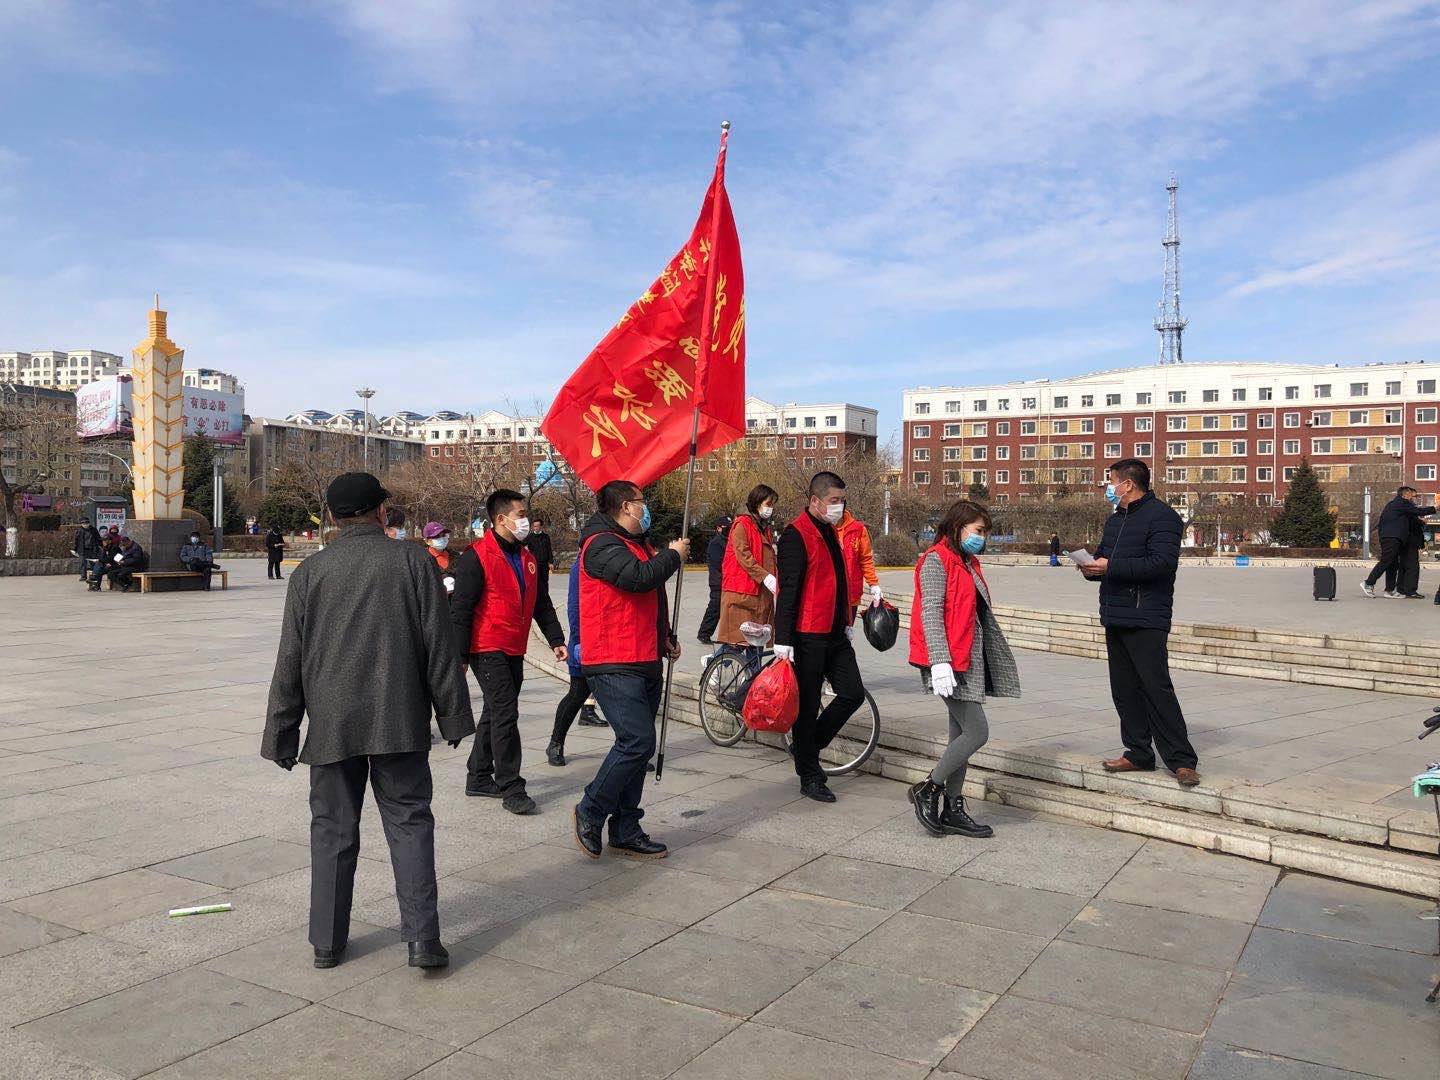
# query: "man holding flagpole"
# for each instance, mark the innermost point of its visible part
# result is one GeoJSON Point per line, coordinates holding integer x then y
{"type": "Point", "coordinates": [625, 625]}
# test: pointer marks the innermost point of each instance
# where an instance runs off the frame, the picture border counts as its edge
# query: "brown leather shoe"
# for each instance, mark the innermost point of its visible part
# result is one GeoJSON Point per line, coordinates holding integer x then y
{"type": "Point", "coordinates": [1123, 764]}
{"type": "Point", "coordinates": [1187, 777]}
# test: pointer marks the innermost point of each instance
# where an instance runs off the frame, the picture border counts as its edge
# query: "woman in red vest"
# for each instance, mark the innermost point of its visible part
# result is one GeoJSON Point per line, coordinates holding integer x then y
{"type": "Point", "coordinates": [963, 658]}
{"type": "Point", "coordinates": [747, 576]}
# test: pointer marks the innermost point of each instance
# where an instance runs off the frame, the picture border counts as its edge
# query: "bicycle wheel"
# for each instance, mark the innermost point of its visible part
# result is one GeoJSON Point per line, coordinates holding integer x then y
{"type": "Point", "coordinates": [719, 714]}
{"type": "Point", "coordinates": [857, 739]}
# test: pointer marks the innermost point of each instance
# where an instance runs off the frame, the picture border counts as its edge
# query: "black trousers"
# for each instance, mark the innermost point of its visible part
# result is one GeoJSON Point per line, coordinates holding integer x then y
{"type": "Point", "coordinates": [569, 707]}
{"type": "Point", "coordinates": [1409, 578]}
{"type": "Point", "coordinates": [272, 565]}
{"type": "Point", "coordinates": [711, 619]}
{"type": "Point", "coordinates": [119, 575]}
{"type": "Point", "coordinates": [204, 568]}
{"type": "Point", "coordinates": [496, 749]}
{"type": "Point", "coordinates": [1391, 550]}
{"type": "Point", "coordinates": [1145, 698]}
{"type": "Point", "coordinates": [816, 659]}
{"type": "Point", "coordinates": [402, 787]}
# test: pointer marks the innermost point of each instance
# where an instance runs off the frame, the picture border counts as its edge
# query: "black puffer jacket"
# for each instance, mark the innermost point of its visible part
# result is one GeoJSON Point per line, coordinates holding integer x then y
{"type": "Point", "coordinates": [1142, 542]}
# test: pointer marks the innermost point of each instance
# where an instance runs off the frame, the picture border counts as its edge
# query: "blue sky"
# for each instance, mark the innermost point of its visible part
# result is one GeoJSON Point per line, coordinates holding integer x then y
{"type": "Point", "coordinates": [452, 200]}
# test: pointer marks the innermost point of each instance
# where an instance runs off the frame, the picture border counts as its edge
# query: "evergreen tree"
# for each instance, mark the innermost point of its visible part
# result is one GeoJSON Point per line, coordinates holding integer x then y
{"type": "Point", "coordinates": [200, 455]}
{"type": "Point", "coordinates": [1306, 520]}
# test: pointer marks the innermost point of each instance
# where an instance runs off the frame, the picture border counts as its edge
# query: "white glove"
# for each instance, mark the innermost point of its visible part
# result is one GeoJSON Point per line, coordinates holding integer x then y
{"type": "Point", "coordinates": [785, 652]}
{"type": "Point", "coordinates": [849, 633]}
{"type": "Point", "coordinates": [449, 583]}
{"type": "Point", "coordinates": [772, 585]}
{"type": "Point", "coordinates": [942, 680]}
{"type": "Point", "coordinates": [875, 595]}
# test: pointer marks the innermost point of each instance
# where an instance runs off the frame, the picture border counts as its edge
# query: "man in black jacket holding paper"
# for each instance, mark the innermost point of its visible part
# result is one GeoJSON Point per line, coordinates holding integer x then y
{"type": "Point", "coordinates": [367, 653]}
{"type": "Point", "coordinates": [1135, 565]}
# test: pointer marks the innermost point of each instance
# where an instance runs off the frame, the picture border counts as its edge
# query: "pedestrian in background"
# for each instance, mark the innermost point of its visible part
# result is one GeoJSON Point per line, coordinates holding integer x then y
{"type": "Point", "coordinates": [274, 552]}
{"type": "Point", "coordinates": [496, 598]}
{"type": "Point", "coordinates": [538, 542]}
{"type": "Point", "coordinates": [963, 658]}
{"type": "Point", "coordinates": [1054, 549]}
{"type": "Point", "coordinates": [1399, 524]}
{"type": "Point", "coordinates": [89, 548]}
{"type": "Point", "coordinates": [1407, 583]}
{"type": "Point", "coordinates": [1135, 565]}
{"type": "Point", "coordinates": [437, 546]}
{"type": "Point", "coordinates": [367, 653]}
{"type": "Point", "coordinates": [814, 624]}
{"type": "Point", "coordinates": [859, 559]}
{"type": "Point", "coordinates": [395, 523]}
{"type": "Point", "coordinates": [624, 636]}
{"type": "Point", "coordinates": [577, 697]}
{"type": "Point", "coordinates": [714, 562]}
{"type": "Point", "coordinates": [747, 573]}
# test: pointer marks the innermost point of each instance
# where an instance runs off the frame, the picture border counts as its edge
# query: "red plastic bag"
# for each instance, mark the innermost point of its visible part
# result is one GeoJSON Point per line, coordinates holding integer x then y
{"type": "Point", "coordinates": [773, 702]}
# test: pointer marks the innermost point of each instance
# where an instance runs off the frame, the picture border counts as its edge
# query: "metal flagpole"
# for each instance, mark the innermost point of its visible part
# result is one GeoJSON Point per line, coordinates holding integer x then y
{"type": "Point", "coordinates": [706, 331]}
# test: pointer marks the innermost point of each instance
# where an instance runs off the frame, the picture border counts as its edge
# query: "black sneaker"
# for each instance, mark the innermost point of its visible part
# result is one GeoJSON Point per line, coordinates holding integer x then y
{"type": "Point", "coordinates": [555, 754]}
{"type": "Point", "coordinates": [484, 786]}
{"type": "Point", "coordinates": [639, 846]}
{"type": "Point", "coordinates": [328, 958]}
{"type": "Point", "coordinates": [587, 836]}
{"type": "Point", "coordinates": [518, 802]}
{"type": "Point", "coordinates": [590, 718]}
{"type": "Point", "coordinates": [428, 954]}
{"type": "Point", "coordinates": [817, 790]}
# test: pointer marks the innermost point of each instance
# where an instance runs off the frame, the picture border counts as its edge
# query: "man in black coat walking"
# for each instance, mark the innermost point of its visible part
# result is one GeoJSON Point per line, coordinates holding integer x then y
{"type": "Point", "coordinates": [714, 562]}
{"type": "Point", "coordinates": [1400, 527]}
{"type": "Point", "coordinates": [274, 552]}
{"type": "Point", "coordinates": [89, 548]}
{"type": "Point", "coordinates": [367, 652]}
{"type": "Point", "coordinates": [1135, 565]}
{"type": "Point", "coordinates": [538, 544]}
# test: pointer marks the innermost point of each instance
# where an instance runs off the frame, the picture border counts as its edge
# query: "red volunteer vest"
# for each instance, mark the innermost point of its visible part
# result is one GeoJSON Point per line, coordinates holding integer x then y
{"type": "Point", "coordinates": [502, 618]}
{"type": "Point", "coordinates": [733, 577]}
{"type": "Point", "coordinates": [960, 600]}
{"type": "Point", "coordinates": [817, 592]}
{"type": "Point", "coordinates": [849, 534]}
{"type": "Point", "coordinates": [616, 626]}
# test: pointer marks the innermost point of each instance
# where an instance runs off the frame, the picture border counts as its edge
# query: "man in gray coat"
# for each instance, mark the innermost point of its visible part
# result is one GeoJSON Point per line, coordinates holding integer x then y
{"type": "Point", "coordinates": [367, 652]}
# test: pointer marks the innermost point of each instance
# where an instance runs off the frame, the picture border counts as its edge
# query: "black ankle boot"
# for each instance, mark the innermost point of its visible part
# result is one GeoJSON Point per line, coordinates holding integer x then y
{"type": "Point", "coordinates": [955, 820]}
{"type": "Point", "coordinates": [555, 754]}
{"type": "Point", "coordinates": [925, 797]}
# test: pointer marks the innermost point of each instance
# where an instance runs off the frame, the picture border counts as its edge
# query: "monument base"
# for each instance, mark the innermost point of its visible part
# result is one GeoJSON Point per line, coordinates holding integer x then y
{"type": "Point", "coordinates": [161, 540]}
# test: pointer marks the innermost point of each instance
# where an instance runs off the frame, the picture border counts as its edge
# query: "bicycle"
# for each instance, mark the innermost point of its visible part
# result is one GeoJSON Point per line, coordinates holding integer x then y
{"type": "Point", "coordinates": [724, 682]}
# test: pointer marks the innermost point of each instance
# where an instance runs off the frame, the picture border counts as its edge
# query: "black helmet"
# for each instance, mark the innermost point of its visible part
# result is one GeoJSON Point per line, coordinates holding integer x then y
{"type": "Point", "coordinates": [882, 625]}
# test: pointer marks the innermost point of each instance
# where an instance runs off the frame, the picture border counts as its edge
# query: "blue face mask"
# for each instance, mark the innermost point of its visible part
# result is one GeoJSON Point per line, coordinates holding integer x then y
{"type": "Point", "coordinates": [1110, 496]}
{"type": "Point", "coordinates": [645, 519]}
{"type": "Point", "coordinates": [440, 543]}
{"type": "Point", "coordinates": [475, 525]}
{"type": "Point", "coordinates": [973, 544]}
{"type": "Point", "coordinates": [400, 534]}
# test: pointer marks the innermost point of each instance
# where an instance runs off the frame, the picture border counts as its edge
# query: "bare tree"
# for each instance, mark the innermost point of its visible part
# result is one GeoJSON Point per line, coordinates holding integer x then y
{"type": "Point", "coordinates": [38, 444]}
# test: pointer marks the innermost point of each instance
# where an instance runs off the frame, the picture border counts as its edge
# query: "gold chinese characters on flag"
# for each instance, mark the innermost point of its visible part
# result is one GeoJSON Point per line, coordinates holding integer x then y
{"type": "Point", "coordinates": [627, 410]}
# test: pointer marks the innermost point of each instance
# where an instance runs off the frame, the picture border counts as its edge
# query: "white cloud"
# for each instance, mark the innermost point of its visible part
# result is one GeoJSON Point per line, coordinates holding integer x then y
{"type": "Point", "coordinates": [64, 35]}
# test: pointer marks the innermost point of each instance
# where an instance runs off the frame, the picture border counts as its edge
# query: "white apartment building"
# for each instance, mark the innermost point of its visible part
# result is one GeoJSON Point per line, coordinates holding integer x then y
{"type": "Point", "coordinates": [210, 379]}
{"type": "Point", "coordinates": [57, 368]}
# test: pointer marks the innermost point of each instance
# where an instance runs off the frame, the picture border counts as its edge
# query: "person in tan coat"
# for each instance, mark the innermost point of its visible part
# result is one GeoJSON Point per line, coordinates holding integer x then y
{"type": "Point", "coordinates": [747, 576]}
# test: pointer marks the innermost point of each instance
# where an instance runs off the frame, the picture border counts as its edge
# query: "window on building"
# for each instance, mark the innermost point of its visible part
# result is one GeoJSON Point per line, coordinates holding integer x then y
{"type": "Point", "coordinates": [1027, 452]}
{"type": "Point", "coordinates": [1061, 476]}
{"type": "Point", "coordinates": [979, 431]}
{"type": "Point", "coordinates": [1318, 446]}
{"type": "Point", "coordinates": [1265, 446]}
{"type": "Point", "coordinates": [1322, 390]}
{"type": "Point", "coordinates": [1002, 453]}
{"type": "Point", "coordinates": [1114, 423]}
{"type": "Point", "coordinates": [1425, 386]}
{"type": "Point", "coordinates": [951, 453]}
{"type": "Point", "coordinates": [1027, 403]}
{"type": "Point", "coordinates": [1288, 473]}
{"type": "Point", "coordinates": [1112, 450]}
{"type": "Point", "coordinates": [1265, 474]}
{"type": "Point", "coordinates": [951, 478]}
{"type": "Point", "coordinates": [1087, 401]}
{"type": "Point", "coordinates": [920, 453]}
{"type": "Point", "coordinates": [1176, 476]}
{"type": "Point", "coordinates": [1394, 416]}
{"type": "Point", "coordinates": [980, 405]}
{"type": "Point", "coordinates": [1210, 395]}
{"type": "Point", "coordinates": [1424, 472]}
{"type": "Point", "coordinates": [1291, 446]}
{"type": "Point", "coordinates": [1392, 389]}
{"type": "Point", "coordinates": [831, 442]}
{"type": "Point", "coordinates": [922, 408]}
{"type": "Point", "coordinates": [1176, 449]}
{"type": "Point", "coordinates": [1087, 449]}
{"type": "Point", "coordinates": [954, 406]}
{"type": "Point", "coordinates": [1359, 389]}
{"type": "Point", "coordinates": [1144, 423]}
{"type": "Point", "coordinates": [920, 431]}
{"type": "Point", "coordinates": [1027, 427]}
{"type": "Point", "coordinates": [1237, 448]}
{"type": "Point", "coordinates": [1292, 393]}
{"type": "Point", "coordinates": [809, 421]}
{"type": "Point", "coordinates": [1112, 400]}
{"type": "Point", "coordinates": [1239, 422]}
{"type": "Point", "coordinates": [1359, 446]}
{"type": "Point", "coordinates": [792, 443]}
{"type": "Point", "coordinates": [1062, 401]}
{"type": "Point", "coordinates": [1425, 444]}
{"type": "Point", "coordinates": [809, 442]}
{"type": "Point", "coordinates": [1209, 449]}
{"type": "Point", "coordinates": [1177, 397]}
{"type": "Point", "coordinates": [1144, 398]}
{"type": "Point", "coordinates": [1359, 417]}
{"type": "Point", "coordinates": [1002, 428]}
{"type": "Point", "coordinates": [1175, 423]}
{"type": "Point", "coordinates": [1210, 423]}
{"type": "Point", "coordinates": [1002, 476]}
{"type": "Point", "coordinates": [1087, 427]}
{"type": "Point", "coordinates": [832, 421]}
{"type": "Point", "coordinates": [951, 431]}
{"type": "Point", "coordinates": [1060, 427]}
{"type": "Point", "coordinates": [1292, 419]}
{"type": "Point", "coordinates": [1320, 419]}
{"type": "Point", "coordinates": [1060, 450]}
{"type": "Point", "coordinates": [1237, 394]}
{"type": "Point", "coordinates": [1424, 416]}
{"type": "Point", "coordinates": [1003, 405]}
{"type": "Point", "coordinates": [979, 476]}
{"type": "Point", "coordinates": [1265, 420]}
{"type": "Point", "coordinates": [1027, 476]}
{"type": "Point", "coordinates": [434, 451]}
{"type": "Point", "coordinates": [1265, 393]}
{"type": "Point", "coordinates": [979, 453]}
{"type": "Point", "coordinates": [1142, 449]}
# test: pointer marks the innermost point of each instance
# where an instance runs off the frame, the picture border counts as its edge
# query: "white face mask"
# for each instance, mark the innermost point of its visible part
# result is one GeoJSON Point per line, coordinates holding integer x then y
{"type": "Point", "coordinates": [766, 513]}
{"type": "Point", "coordinates": [834, 512]}
{"type": "Point", "coordinates": [520, 527]}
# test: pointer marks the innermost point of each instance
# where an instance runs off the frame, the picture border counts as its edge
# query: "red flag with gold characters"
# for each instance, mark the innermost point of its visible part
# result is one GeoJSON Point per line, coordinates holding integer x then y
{"type": "Point", "coordinates": [627, 411]}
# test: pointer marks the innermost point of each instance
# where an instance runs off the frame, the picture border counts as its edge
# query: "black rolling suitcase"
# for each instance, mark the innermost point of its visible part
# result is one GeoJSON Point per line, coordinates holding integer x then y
{"type": "Point", "coordinates": [1324, 583]}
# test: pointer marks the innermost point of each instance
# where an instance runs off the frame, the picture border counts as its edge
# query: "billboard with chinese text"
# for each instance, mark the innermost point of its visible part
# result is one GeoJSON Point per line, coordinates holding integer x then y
{"type": "Point", "coordinates": [104, 408]}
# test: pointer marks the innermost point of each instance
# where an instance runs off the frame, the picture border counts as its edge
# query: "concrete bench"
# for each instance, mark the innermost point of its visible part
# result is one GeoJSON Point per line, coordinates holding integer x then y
{"type": "Point", "coordinates": [147, 578]}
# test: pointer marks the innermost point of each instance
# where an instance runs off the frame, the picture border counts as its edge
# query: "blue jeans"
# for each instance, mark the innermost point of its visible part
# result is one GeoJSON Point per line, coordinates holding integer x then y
{"type": "Point", "coordinates": [630, 702]}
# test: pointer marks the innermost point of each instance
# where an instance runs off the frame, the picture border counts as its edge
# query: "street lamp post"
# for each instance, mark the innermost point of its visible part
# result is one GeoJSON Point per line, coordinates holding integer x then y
{"type": "Point", "coordinates": [365, 394]}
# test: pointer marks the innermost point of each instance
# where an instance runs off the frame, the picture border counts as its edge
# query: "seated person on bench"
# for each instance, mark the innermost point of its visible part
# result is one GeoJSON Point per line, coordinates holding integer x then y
{"type": "Point", "coordinates": [120, 565]}
{"type": "Point", "coordinates": [198, 557]}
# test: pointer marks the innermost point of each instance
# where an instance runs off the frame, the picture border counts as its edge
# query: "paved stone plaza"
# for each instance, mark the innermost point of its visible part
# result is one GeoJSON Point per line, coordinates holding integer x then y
{"type": "Point", "coordinates": [780, 939]}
